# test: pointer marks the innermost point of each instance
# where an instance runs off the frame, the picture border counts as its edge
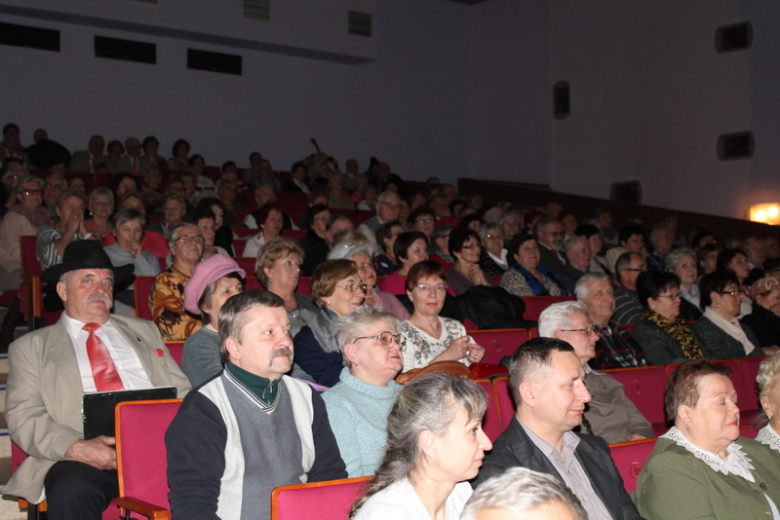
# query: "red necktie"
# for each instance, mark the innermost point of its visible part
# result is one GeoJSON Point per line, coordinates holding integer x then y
{"type": "Point", "coordinates": [103, 368]}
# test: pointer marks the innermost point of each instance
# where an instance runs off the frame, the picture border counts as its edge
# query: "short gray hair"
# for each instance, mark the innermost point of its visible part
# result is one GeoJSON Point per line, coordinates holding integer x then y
{"type": "Point", "coordinates": [573, 242]}
{"type": "Point", "coordinates": [353, 325]}
{"type": "Point", "coordinates": [28, 178]}
{"type": "Point", "coordinates": [581, 288]}
{"type": "Point", "coordinates": [346, 250]}
{"type": "Point", "coordinates": [97, 192]}
{"type": "Point", "coordinates": [126, 215]}
{"type": "Point", "coordinates": [556, 316]}
{"type": "Point", "coordinates": [232, 315]}
{"type": "Point", "coordinates": [520, 490]}
{"type": "Point", "coordinates": [488, 227]}
{"type": "Point", "coordinates": [174, 236]}
{"type": "Point", "coordinates": [543, 224]}
{"type": "Point", "coordinates": [657, 229]}
{"type": "Point", "coordinates": [674, 257]}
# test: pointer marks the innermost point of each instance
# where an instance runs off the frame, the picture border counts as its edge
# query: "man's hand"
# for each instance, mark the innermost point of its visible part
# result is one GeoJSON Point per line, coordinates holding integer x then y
{"type": "Point", "coordinates": [636, 437]}
{"type": "Point", "coordinates": [96, 452]}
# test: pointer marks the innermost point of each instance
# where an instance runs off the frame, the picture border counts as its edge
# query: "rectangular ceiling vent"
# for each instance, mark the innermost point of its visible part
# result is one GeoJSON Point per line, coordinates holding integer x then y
{"type": "Point", "coordinates": [259, 10]}
{"type": "Point", "coordinates": [360, 24]}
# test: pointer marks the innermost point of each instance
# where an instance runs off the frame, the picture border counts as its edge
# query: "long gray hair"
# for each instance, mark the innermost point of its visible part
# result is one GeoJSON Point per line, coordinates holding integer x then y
{"type": "Point", "coordinates": [428, 403]}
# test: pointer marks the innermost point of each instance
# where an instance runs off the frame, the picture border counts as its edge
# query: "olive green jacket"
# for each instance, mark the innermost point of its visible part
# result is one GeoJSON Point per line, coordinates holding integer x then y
{"type": "Point", "coordinates": [676, 485]}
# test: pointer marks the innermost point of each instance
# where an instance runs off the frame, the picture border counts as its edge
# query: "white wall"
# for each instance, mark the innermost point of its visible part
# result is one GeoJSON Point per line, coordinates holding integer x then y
{"type": "Point", "coordinates": [409, 106]}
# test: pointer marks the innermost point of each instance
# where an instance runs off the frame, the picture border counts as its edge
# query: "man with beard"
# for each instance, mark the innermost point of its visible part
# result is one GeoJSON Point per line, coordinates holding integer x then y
{"type": "Point", "coordinates": [251, 428]}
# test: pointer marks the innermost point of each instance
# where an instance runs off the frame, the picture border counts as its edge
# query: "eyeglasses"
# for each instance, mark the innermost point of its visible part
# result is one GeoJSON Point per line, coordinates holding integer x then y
{"type": "Point", "coordinates": [188, 239]}
{"type": "Point", "coordinates": [472, 246]}
{"type": "Point", "coordinates": [365, 266]}
{"type": "Point", "coordinates": [426, 288]}
{"type": "Point", "coordinates": [673, 297]}
{"type": "Point", "coordinates": [385, 338]}
{"type": "Point", "coordinates": [31, 192]}
{"type": "Point", "coordinates": [423, 221]}
{"type": "Point", "coordinates": [494, 236]}
{"type": "Point", "coordinates": [635, 269]}
{"type": "Point", "coordinates": [733, 293]}
{"type": "Point", "coordinates": [354, 287]}
{"type": "Point", "coordinates": [587, 331]}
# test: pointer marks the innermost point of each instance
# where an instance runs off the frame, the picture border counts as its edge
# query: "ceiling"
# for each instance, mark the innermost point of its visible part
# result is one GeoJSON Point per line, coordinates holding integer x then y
{"type": "Point", "coordinates": [469, 2]}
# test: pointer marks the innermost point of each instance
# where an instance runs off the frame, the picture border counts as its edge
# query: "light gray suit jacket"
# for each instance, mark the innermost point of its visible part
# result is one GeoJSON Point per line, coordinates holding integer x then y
{"type": "Point", "coordinates": [82, 161]}
{"type": "Point", "coordinates": [43, 404]}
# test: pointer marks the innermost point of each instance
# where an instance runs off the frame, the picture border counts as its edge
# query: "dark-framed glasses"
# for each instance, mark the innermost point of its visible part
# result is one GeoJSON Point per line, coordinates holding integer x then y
{"type": "Point", "coordinates": [672, 297]}
{"type": "Point", "coordinates": [733, 293]}
{"type": "Point", "coordinates": [386, 338]}
{"type": "Point", "coordinates": [354, 287]}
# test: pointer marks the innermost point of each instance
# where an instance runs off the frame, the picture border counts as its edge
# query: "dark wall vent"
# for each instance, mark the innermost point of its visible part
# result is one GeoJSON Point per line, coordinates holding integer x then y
{"type": "Point", "coordinates": [737, 37]}
{"type": "Point", "coordinates": [561, 100]}
{"type": "Point", "coordinates": [739, 145]}
{"type": "Point", "coordinates": [360, 24]}
{"type": "Point", "coordinates": [32, 37]}
{"type": "Point", "coordinates": [259, 10]}
{"type": "Point", "coordinates": [630, 191]}
{"type": "Point", "coordinates": [214, 61]}
{"type": "Point", "coordinates": [125, 50]}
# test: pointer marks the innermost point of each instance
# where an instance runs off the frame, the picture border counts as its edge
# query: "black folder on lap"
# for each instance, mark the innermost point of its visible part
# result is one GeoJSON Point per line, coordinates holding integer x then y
{"type": "Point", "coordinates": [99, 407]}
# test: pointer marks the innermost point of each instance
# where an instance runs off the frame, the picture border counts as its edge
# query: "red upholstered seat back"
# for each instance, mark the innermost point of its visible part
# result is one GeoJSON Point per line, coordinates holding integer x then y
{"type": "Point", "coordinates": [295, 234]}
{"type": "Point", "coordinates": [491, 423]}
{"type": "Point", "coordinates": [645, 386]}
{"type": "Point", "coordinates": [247, 263]}
{"type": "Point", "coordinates": [748, 367]}
{"type": "Point", "coordinates": [304, 285]}
{"type": "Point", "coordinates": [534, 305]}
{"type": "Point", "coordinates": [142, 461]}
{"type": "Point", "coordinates": [176, 348]}
{"type": "Point", "coordinates": [322, 500]}
{"type": "Point", "coordinates": [499, 343]}
{"type": "Point", "coordinates": [239, 244]}
{"type": "Point", "coordinates": [30, 264]}
{"type": "Point", "coordinates": [251, 282]}
{"type": "Point", "coordinates": [143, 288]}
{"type": "Point", "coordinates": [506, 406]}
{"type": "Point", "coordinates": [630, 459]}
{"type": "Point", "coordinates": [748, 431]}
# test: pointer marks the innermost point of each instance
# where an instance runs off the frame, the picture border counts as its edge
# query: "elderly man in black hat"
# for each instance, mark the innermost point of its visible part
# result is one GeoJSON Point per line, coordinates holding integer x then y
{"type": "Point", "coordinates": [87, 350]}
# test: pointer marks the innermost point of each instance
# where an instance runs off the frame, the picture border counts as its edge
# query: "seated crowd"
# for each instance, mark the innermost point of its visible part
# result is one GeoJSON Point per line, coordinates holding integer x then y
{"type": "Point", "coordinates": [284, 387]}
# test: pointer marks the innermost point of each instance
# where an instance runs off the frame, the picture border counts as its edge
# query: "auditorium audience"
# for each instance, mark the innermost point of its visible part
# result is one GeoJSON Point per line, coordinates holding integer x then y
{"type": "Point", "coordinates": [319, 251]}
{"type": "Point", "coordinates": [702, 468]}
{"type": "Point", "coordinates": [466, 272]}
{"type": "Point", "coordinates": [577, 250]}
{"type": "Point", "coordinates": [297, 181]}
{"type": "Point", "coordinates": [736, 260]}
{"type": "Point", "coordinates": [550, 233]}
{"type": "Point", "coordinates": [385, 262]}
{"type": "Point", "coordinates": [101, 207]}
{"type": "Point", "coordinates": [707, 259]}
{"type": "Point", "coordinates": [430, 337]}
{"type": "Point", "coordinates": [338, 197]}
{"type": "Point", "coordinates": [570, 224]}
{"type": "Point", "coordinates": [388, 208]}
{"type": "Point", "coordinates": [174, 206]}
{"type": "Point", "coordinates": [409, 248]}
{"type": "Point", "coordinates": [718, 332]}
{"type": "Point", "coordinates": [493, 259]}
{"type": "Point", "coordinates": [628, 308]}
{"type": "Point", "coordinates": [662, 333]}
{"type": "Point", "coordinates": [423, 219]}
{"type": "Point", "coordinates": [213, 282]}
{"type": "Point", "coordinates": [53, 239]}
{"type": "Point", "coordinates": [527, 277]}
{"type": "Point", "coordinates": [358, 405]}
{"type": "Point", "coordinates": [270, 222]}
{"type": "Point", "coordinates": [682, 262]}
{"type": "Point", "coordinates": [763, 321]}
{"type": "Point", "coordinates": [128, 249]}
{"type": "Point", "coordinates": [756, 255]}
{"type": "Point", "coordinates": [115, 151]}
{"type": "Point", "coordinates": [317, 221]}
{"type": "Point", "coordinates": [769, 395]}
{"type": "Point", "coordinates": [151, 160]}
{"type": "Point", "coordinates": [615, 347]}
{"type": "Point", "coordinates": [435, 443]}
{"type": "Point", "coordinates": [441, 245]}
{"type": "Point", "coordinates": [380, 300]}
{"type": "Point", "coordinates": [206, 221]}
{"type": "Point", "coordinates": [593, 235]}
{"type": "Point", "coordinates": [610, 413]}
{"type": "Point", "coordinates": [166, 300]}
{"type": "Point", "coordinates": [336, 289]}
{"type": "Point", "coordinates": [91, 160]}
{"type": "Point", "coordinates": [180, 152]}
{"type": "Point", "coordinates": [278, 268]}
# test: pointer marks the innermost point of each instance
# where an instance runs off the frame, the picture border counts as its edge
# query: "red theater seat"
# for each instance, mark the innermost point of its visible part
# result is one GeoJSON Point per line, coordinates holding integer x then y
{"type": "Point", "coordinates": [630, 459]}
{"type": "Point", "coordinates": [238, 246]}
{"type": "Point", "coordinates": [491, 423]}
{"type": "Point", "coordinates": [534, 305]}
{"type": "Point", "coordinates": [645, 386]}
{"type": "Point", "coordinates": [176, 348]}
{"type": "Point", "coordinates": [295, 234]}
{"type": "Point", "coordinates": [331, 500]}
{"type": "Point", "coordinates": [748, 367]}
{"type": "Point", "coordinates": [142, 287]}
{"type": "Point", "coordinates": [247, 263]}
{"type": "Point", "coordinates": [499, 343]}
{"type": "Point", "coordinates": [506, 406]}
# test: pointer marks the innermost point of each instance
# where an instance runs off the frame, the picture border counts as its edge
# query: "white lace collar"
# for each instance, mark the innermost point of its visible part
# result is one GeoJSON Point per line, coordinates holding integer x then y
{"type": "Point", "coordinates": [767, 435]}
{"type": "Point", "coordinates": [736, 462]}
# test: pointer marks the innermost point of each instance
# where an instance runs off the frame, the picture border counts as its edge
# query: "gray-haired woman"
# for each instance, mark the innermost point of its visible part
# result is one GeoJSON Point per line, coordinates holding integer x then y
{"type": "Point", "coordinates": [359, 403]}
{"type": "Point", "coordinates": [434, 444]}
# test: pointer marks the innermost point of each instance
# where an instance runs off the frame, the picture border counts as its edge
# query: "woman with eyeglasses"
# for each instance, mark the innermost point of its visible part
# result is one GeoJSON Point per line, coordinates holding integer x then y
{"type": "Point", "coordinates": [428, 336]}
{"type": "Point", "coordinates": [466, 273]}
{"type": "Point", "coordinates": [358, 405]}
{"type": "Point", "coordinates": [494, 258]}
{"type": "Point", "coordinates": [736, 260]}
{"type": "Point", "coordinates": [167, 298]}
{"type": "Point", "coordinates": [662, 333]}
{"type": "Point", "coordinates": [336, 288]}
{"type": "Point", "coordinates": [719, 333]}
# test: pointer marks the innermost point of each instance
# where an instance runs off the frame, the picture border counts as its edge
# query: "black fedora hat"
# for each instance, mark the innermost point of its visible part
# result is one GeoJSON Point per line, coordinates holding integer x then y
{"type": "Point", "coordinates": [86, 254]}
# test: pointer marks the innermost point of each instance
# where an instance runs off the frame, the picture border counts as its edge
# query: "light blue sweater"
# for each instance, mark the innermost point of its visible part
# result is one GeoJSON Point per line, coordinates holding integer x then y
{"type": "Point", "coordinates": [357, 412]}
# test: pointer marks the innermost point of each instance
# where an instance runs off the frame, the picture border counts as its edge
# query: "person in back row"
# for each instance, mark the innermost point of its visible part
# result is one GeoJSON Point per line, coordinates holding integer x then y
{"type": "Point", "coordinates": [610, 413]}
{"type": "Point", "coordinates": [628, 308]}
{"type": "Point", "coordinates": [547, 382]}
{"type": "Point", "coordinates": [252, 428]}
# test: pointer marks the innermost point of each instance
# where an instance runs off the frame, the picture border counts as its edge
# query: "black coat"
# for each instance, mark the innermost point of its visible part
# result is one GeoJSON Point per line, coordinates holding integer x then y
{"type": "Point", "coordinates": [765, 324]}
{"type": "Point", "coordinates": [716, 343]}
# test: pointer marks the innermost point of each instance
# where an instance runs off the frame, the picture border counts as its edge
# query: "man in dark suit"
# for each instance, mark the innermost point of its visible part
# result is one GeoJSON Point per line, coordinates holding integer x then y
{"type": "Point", "coordinates": [550, 233]}
{"type": "Point", "coordinates": [91, 160]}
{"type": "Point", "coordinates": [548, 384]}
{"type": "Point", "coordinates": [87, 350]}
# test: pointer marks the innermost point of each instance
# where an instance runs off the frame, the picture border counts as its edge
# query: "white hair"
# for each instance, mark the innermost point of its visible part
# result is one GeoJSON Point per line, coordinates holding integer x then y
{"type": "Point", "coordinates": [557, 316]}
{"type": "Point", "coordinates": [581, 288]}
{"type": "Point", "coordinates": [353, 325]}
{"type": "Point", "coordinates": [521, 490]}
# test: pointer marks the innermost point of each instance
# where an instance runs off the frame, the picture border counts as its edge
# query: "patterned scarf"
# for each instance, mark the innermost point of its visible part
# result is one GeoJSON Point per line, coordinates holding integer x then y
{"type": "Point", "coordinates": [680, 331]}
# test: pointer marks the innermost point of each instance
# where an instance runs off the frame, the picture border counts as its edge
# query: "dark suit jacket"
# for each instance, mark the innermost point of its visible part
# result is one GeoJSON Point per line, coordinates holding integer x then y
{"type": "Point", "coordinates": [716, 343]}
{"type": "Point", "coordinates": [765, 324]}
{"type": "Point", "coordinates": [515, 448]}
{"type": "Point", "coordinates": [550, 260]}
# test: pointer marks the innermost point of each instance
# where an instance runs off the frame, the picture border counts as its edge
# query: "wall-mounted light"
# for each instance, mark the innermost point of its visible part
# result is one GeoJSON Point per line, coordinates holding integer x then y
{"type": "Point", "coordinates": [768, 213]}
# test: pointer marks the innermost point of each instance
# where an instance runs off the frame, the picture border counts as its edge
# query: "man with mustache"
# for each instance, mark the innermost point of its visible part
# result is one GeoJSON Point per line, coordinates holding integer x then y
{"type": "Point", "coordinates": [250, 428]}
{"type": "Point", "coordinates": [547, 382]}
{"type": "Point", "coordinates": [87, 350]}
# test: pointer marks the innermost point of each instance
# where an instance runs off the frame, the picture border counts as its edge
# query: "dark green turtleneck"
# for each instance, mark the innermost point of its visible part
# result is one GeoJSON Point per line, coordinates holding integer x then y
{"type": "Point", "coordinates": [264, 389]}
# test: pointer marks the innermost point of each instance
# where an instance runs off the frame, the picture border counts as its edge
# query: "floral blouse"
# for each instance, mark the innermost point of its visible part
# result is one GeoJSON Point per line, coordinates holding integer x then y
{"type": "Point", "coordinates": [167, 305]}
{"type": "Point", "coordinates": [420, 348]}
